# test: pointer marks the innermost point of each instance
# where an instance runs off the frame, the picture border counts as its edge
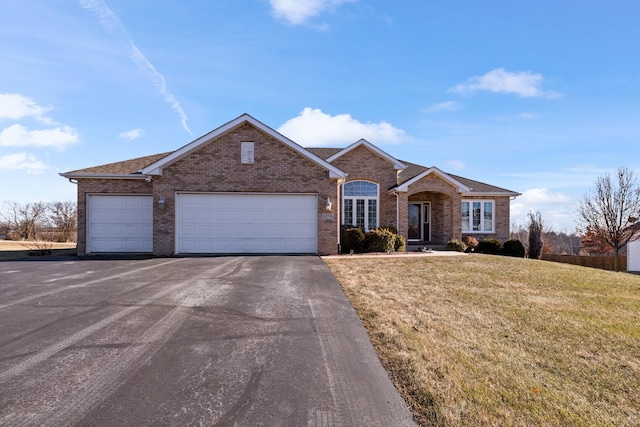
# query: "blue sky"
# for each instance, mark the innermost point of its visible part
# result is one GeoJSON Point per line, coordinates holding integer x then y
{"type": "Point", "coordinates": [538, 97]}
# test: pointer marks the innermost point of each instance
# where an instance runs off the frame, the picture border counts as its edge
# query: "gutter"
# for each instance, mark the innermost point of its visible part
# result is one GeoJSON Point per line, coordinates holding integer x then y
{"type": "Point", "coordinates": [132, 176]}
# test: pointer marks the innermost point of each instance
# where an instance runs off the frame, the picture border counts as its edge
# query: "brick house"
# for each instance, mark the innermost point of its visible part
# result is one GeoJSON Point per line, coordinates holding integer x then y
{"type": "Point", "coordinates": [245, 188]}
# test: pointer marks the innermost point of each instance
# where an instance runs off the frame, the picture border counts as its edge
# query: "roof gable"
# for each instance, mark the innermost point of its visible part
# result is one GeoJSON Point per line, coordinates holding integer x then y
{"type": "Point", "coordinates": [404, 187]}
{"type": "Point", "coordinates": [364, 143]}
{"type": "Point", "coordinates": [474, 188]}
{"type": "Point", "coordinates": [157, 167]}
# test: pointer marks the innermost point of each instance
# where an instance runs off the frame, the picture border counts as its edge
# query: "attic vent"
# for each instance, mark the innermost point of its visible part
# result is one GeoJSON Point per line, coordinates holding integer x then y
{"type": "Point", "coordinates": [246, 152]}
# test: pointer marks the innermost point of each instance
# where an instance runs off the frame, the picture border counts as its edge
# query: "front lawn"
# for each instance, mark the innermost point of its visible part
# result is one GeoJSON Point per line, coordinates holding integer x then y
{"type": "Point", "coordinates": [489, 340]}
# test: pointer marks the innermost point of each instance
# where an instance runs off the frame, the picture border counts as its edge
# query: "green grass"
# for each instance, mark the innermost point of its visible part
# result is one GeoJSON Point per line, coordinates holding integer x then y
{"type": "Point", "coordinates": [489, 340]}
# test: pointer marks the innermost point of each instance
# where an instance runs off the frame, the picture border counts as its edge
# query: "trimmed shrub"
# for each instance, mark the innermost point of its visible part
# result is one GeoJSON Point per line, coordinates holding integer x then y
{"type": "Point", "coordinates": [379, 240]}
{"type": "Point", "coordinates": [471, 243]}
{"type": "Point", "coordinates": [352, 239]}
{"type": "Point", "coordinates": [513, 248]}
{"type": "Point", "coordinates": [456, 245]}
{"type": "Point", "coordinates": [400, 244]}
{"type": "Point", "coordinates": [390, 228]}
{"type": "Point", "coordinates": [489, 246]}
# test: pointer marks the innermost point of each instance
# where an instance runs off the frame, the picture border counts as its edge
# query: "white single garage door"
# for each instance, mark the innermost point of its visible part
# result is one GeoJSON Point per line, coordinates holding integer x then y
{"type": "Point", "coordinates": [119, 224]}
{"type": "Point", "coordinates": [246, 223]}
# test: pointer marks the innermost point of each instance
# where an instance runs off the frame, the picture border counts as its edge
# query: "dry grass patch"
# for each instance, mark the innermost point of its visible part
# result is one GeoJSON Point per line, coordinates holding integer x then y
{"type": "Point", "coordinates": [488, 340]}
{"type": "Point", "coordinates": [10, 249]}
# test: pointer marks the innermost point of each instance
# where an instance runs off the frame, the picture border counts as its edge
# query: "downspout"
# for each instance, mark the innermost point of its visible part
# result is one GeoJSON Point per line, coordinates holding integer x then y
{"type": "Point", "coordinates": [339, 215]}
{"type": "Point", "coordinates": [397, 210]}
{"type": "Point", "coordinates": [397, 202]}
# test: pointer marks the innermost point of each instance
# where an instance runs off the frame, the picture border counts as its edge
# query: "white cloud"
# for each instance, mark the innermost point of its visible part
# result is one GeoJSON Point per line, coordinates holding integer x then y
{"type": "Point", "coordinates": [131, 134]}
{"type": "Point", "coordinates": [112, 23]}
{"type": "Point", "coordinates": [556, 208]}
{"type": "Point", "coordinates": [22, 161]}
{"type": "Point", "coordinates": [443, 106]}
{"type": "Point", "coordinates": [524, 83]}
{"type": "Point", "coordinates": [15, 106]}
{"type": "Point", "coordinates": [19, 136]}
{"type": "Point", "coordinates": [313, 128]}
{"type": "Point", "coordinates": [542, 196]}
{"type": "Point", "coordinates": [457, 164]}
{"type": "Point", "coordinates": [299, 11]}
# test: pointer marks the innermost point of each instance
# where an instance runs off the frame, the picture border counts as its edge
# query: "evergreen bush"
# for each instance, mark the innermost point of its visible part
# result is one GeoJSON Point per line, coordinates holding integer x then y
{"type": "Point", "coordinates": [513, 247]}
{"type": "Point", "coordinates": [489, 246]}
{"type": "Point", "coordinates": [400, 244]}
{"type": "Point", "coordinates": [352, 239]}
{"type": "Point", "coordinates": [456, 245]}
{"type": "Point", "coordinates": [379, 240]}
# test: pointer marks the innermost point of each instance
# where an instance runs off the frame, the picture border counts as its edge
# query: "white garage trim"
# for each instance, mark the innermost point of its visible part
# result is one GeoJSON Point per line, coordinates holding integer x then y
{"type": "Point", "coordinates": [246, 223]}
{"type": "Point", "coordinates": [119, 223]}
{"type": "Point", "coordinates": [633, 256]}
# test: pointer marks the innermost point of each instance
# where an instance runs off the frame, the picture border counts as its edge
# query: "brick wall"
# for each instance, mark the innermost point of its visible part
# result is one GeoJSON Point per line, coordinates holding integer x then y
{"type": "Point", "coordinates": [277, 168]}
{"type": "Point", "coordinates": [216, 167]}
{"type": "Point", "coordinates": [445, 206]}
{"type": "Point", "coordinates": [363, 164]}
{"type": "Point", "coordinates": [502, 219]}
{"type": "Point", "coordinates": [440, 205]}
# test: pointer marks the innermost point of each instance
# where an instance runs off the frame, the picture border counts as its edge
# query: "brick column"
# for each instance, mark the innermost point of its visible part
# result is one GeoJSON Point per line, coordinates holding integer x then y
{"type": "Point", "coordinates": [403, 213]}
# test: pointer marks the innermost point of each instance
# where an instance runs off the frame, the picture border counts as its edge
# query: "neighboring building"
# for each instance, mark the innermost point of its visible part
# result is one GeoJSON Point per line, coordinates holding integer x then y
{"type": "Point", "coordinates": [633, 256]}
{"type": "Point", "coordinates": [245, 188]}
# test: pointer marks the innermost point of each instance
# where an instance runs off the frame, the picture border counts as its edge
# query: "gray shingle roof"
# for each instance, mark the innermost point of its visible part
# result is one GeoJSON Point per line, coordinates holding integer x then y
{"type": "Point", "coordinates": [124, 167]}
{"type": "Point", "coordinates": [414, 170]}
{"type": "Point", "coordinates": [132, 166]}
{"type": "Point", "coordinates": [324, 153]}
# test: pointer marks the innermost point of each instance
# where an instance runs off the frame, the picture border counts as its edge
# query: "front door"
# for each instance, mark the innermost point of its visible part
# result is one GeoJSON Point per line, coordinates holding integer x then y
{"type": "Point", "coordinates": [419, 226]}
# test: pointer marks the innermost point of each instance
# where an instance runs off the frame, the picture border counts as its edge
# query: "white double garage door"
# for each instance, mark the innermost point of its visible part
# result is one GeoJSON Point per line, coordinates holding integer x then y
{"type": "Point", "coordinates": [207, 223]}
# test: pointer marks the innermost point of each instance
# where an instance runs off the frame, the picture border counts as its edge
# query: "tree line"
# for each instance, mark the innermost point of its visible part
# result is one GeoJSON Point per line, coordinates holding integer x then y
{"type": "Point", "coordinates": [608, 218]}
{"type": "Point", "coordinates": [39, 221]}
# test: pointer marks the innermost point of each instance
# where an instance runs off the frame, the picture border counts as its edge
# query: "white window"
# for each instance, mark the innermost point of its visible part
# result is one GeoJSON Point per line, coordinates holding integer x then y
{"type": "Point", "coordinates": [478, 216]}
{"type": "Point", "coordinates": [360, 204]}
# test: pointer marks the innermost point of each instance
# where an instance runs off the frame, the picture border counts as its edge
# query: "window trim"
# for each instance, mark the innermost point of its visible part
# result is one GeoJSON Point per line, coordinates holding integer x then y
{"type": "Point", "coordinates": [353, 219]}
{"type": "Point", "coordinates": [482, 202]}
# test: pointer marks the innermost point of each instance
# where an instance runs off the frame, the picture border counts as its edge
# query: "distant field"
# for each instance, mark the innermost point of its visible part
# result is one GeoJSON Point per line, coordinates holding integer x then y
{"type": "Point", "coordinates": [14, 250]}
{"type": "Point", "coordinates": [497, 341]}
{"type": "Point", "coordinates": [10, 245]}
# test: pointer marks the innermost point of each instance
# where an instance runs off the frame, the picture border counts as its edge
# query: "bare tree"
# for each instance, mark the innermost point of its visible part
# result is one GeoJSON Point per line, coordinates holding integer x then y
{"type": "Point", "coordinates": [610, 213]}
{"type": "Point", "coordinates": [23, 219]}
{"type": "Point", "coordinates": [63, 217]}
{"type": "Point", "coordinates": [573, 243]}
{"type": "Point", "coordinates": [535, 235]}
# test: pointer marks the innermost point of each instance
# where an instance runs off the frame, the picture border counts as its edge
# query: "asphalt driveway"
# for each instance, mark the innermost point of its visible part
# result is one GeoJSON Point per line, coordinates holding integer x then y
{"type": "Point", "coordinates": [244, 341]}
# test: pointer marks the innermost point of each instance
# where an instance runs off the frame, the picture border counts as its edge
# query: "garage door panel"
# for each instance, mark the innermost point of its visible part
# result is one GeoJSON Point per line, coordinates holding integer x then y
{"type": "Point", "coordinates": [223, 231]}
{"type": "Point", "coordinates": [223, 215]}
{"type": "Point", "coordinates": [273, 231]}
{"type": "Point", "coordinates": [256, 231]}
{"type": "Point", "coordinates": [240, 231]}
{"type": "Point", "coordinates": [120, 224]}
{"type": "Point", "coordinates": [246, 223]}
